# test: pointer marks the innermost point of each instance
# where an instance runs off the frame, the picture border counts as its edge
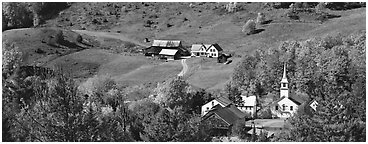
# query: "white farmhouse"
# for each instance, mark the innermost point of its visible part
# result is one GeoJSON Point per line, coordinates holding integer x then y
{"type": "Point", "coordinates": [249, 104]}
{"type": "Point", "coordinates": [206, 50]}
{"type": "Point", "coordinates": [214, 50]}
{"type": "Point", "coordinates": [222, 101]}
{"type": "Point", "coordinates": [199, 50]}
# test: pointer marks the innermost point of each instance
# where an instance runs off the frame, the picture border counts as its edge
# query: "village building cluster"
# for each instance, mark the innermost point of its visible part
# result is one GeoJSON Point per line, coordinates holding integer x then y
{"type": "Point", "coordinates": [225, 113]}
{"type": "Point", "coordinates": [221, 111]}
{"type": "Point", "coordinates": [174, 50]}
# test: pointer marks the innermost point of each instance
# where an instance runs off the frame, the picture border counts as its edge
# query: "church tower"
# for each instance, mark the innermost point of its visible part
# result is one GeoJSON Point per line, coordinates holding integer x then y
{"type": "Point", "coordinates": [284, 90]}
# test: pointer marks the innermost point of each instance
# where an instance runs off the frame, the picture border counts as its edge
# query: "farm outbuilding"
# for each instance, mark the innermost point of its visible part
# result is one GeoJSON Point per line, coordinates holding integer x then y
{"type": "Point", "coordinates": [170, 54]}
{"type": "Point", "coordinates": [165, 48]}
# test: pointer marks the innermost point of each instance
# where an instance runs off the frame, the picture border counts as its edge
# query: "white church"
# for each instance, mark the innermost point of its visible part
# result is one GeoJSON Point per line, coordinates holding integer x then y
{"type": "Point", "coordinates": [287, 104]}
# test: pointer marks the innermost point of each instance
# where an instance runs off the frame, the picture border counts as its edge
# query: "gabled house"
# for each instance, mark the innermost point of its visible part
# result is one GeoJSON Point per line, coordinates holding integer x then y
{"type": "Point", "coordinates": [214, 50]}
{"type": "Point", "coordinates": [249, 104]}
{"type": "Point", "coordinates": [313, 104]}
{"type": "Point", "coordinates": [221, 101]}
{"type": "Point", "coordinates": [288, 104]}
{"type": "Point", "coordinates": [199, 50]}
{"type": "Point", "coordinates": [206, 50]}
{"type": "Point", "coordinates": [221, 119]}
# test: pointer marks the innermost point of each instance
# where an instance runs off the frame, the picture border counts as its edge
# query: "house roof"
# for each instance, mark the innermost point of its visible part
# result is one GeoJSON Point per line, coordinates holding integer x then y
{"type": "Point", "coordinates": [236, 111]}
{"type": "Point", "coordinates": [166, 43]}
{"type": "Point", "coordinates": [196, 47]}
{"type": "Point", "coordinates": [249, 100]}
{"type": "Point", "coordinates": [170, 52]}
{"type": "Point", "coordinates": [229, 114]}
{"type": "Point", "coordinates": [217, 47]}
{"type": "Point", "coordinates": [152, 50]}
{"type": "Point", "coordinates": [224, 101]}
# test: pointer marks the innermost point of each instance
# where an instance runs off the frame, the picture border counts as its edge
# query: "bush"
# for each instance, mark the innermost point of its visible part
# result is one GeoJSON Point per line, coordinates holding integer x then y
{"type": "Point", "coordinates": [239, 129]}
{"type": "Point", "coordinates": [16, 15]}
{"type": "Point", "coordinates": [249, 27]}
{"type": "Point", "coordinates": [231, 7]}
{"type": "Point", "coordinates": [261, 18]}
{"type": "Point", "coordinates": [320, 7]}
{"type": "Point", "coordinates": [265, 113]}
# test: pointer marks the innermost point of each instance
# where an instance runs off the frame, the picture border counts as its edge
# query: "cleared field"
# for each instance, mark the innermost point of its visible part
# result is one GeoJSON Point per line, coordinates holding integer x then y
{"type": "Point", "coordinates": [150, 73]}
{"type": "Point", "coordinates": [206, 73]}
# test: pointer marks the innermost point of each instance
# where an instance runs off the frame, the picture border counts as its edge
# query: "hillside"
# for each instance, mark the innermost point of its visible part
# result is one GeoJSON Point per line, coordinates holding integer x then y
{"type": "Point", "coordinates": [120, 28]}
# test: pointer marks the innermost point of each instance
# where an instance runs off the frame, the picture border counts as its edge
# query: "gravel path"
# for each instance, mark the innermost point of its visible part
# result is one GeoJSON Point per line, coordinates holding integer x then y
{"type": "Point", "coordinates": [185, 67]}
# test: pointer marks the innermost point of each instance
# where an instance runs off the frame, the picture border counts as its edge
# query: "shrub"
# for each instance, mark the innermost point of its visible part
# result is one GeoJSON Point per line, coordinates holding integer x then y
{"type": "Point", "coordinates": [12, 58]}
{"type": "Point", "coordinates": [298, 5]}
{"type": "Point", "coordinates": [320, 7]}
{"type": "Point", "coordinates": [16, 15]}
{"type": "Point", "coordinates": [239, 129]}
{"type": "Point", "coordinates": [261, 18]}
{"type": "Point", "coordinates": [249, 27]}
{"type": "Point", "coordinates": [231, 7]}
{"type": "Point", "coordinates": [265, 113]}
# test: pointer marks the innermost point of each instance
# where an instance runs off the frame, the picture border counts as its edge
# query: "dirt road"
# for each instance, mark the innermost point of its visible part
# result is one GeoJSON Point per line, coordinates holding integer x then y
{"type": "Point", "coordinates": [185, 67]}
{"type": "Point", "coordinates": [111, 35]}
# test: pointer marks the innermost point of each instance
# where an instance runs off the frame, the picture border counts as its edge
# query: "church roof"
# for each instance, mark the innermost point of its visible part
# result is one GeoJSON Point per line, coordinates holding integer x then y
{"type": "Point", "coordinates": [294, 98]}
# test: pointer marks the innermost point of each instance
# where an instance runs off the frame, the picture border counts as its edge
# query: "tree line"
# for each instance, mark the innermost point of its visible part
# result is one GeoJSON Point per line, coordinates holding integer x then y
{"type": "Point", "coordinates": [329, 69]}
{"type": "Point", "coordinates": [28, 14]}
{"type": "Point", "coordinates": [45, 105]}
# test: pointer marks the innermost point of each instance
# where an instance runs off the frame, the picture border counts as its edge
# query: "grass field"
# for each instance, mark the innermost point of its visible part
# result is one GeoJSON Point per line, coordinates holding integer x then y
{"type": "Point", "coordinates": [206, 73]}
{"type": "Point", "coordinates": [203, 23]}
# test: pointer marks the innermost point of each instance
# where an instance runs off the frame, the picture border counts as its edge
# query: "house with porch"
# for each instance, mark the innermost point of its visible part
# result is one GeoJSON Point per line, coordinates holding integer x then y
{"type": "Point", "coordinates": [206, 50]}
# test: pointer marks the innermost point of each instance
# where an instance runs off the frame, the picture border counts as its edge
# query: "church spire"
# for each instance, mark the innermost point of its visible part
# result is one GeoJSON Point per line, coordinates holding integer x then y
{"type": "Point", "coordinates": [284, 90]}
{"type": "Point", "coordinates": [284, 78]}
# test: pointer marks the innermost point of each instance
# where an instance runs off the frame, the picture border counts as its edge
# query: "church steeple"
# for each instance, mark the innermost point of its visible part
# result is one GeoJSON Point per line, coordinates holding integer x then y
{"type": "Point", "coordinates": [284, 90]}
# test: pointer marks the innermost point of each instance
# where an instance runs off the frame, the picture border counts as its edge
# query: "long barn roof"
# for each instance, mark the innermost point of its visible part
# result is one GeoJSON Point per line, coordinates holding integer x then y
{"type": "Point", "coordinates": [166, 43]}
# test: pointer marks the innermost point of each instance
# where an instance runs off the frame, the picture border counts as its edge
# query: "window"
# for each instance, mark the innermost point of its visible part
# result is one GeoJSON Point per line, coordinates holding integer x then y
{"type": "Point", "coordinates": [197, 54]}
{"type": "Point", "coordinates": [214, 54]}
{"type": "Point", "coordinates": [283, 107]}
{"type": "Point", "coordinates": [277, 107]}
{"type": "Point", "coordinates": [207, 109]}
{"type": "Point", "coordinates": [284, 85]}
{"type": "Point", "coordinates": [213, 103]}
{"type": "Point", "coordinates": [291, 108]}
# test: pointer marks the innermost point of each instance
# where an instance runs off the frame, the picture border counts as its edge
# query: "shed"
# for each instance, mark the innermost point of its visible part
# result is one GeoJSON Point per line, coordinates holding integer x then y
{"type": "Point", "coordinates": [170, 54]}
